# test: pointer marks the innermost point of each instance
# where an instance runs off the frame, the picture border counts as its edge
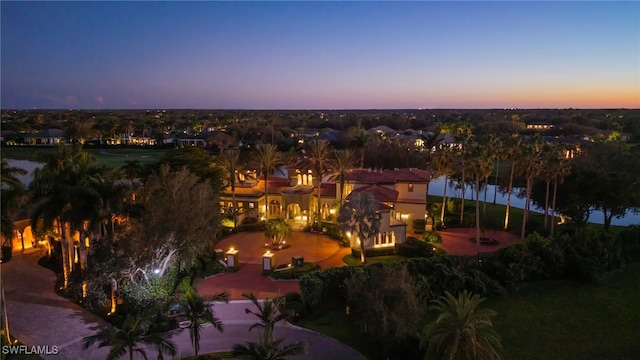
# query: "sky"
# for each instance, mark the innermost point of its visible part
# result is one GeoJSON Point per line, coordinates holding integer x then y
{"type": "Point", "coordinates": [319, 55]}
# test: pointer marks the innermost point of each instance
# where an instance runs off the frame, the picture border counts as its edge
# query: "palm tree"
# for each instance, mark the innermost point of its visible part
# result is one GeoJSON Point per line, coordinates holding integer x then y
{"type": "Point", "coordinates": [268, 350]}
{"type": "Point", "coordinates": [132, 170]}
{"type": "Point", "coordinates": [498, 151]}
{"type": "Point", "coordinates": [229, 162]}
{"type": "Point", "coordinates": [359, 142]}
{"type": "Point", "coordinates": [480, 166]}
{"type": "Point", "coordinates": [361, 217]}
{"type": "Point", "coordinates": [341, 162]}
{"type": "Point", "coordinates": [512, 153]}
{"type": "Point", "coordinates": [531, 165]}
{"type": "Point", "coordinates": [432, 142]}
{"type": "Point", "coordinates": [268, 159]}
{"type": "Point", "coordinates": [319, 152]}
{"type": "Point", "coordinates": [444, 164]}
{"type": "Point", "coordinates": [58, 195]}
{"type": "Point", "coordinates": [12, 192]}
{"type": "Point", "coordinates": [461, 330]}
{"type": "Point", "coordinates": [268, 347]}
{"type": "Point", "coordinates": [198, 312]}
{"type": "Point", "coordinates": [268, 313]}
{"type": "Point", "coordinates": [563, 168]}
{"type": "Point", "coordinates": [464, 138]}
{"type": "Point", "coordinates": [128, 340]}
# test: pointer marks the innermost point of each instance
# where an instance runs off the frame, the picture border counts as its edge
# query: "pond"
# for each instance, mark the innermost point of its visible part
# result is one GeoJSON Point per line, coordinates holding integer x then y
{"type": "Point", "coordinates": [436, 187]}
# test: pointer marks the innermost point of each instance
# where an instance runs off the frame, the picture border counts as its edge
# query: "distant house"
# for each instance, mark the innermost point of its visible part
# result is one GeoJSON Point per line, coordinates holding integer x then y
{"type": "Point", "coordinates": [540, 125]}
{"type": "Point", "coordinates": [190, 142]}
{"type": "Point", "coordinates": [46, 137]}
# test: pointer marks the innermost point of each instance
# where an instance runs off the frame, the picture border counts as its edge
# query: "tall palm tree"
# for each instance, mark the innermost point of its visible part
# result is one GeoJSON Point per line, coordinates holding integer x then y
{"type": "Point", "coordinates": [341, 162]}
{"type": "Point", "coordinates": [228, 160]}
{"type": "Point", "coordinates": [464, 138]}
{"type": "Point", "coordinates": [268, 159]}
{"type": "Point", "coordinates": [360, 140]}
{"type": "Point", "coordinates": [444, 164]}
{"type": "Point", "coordinates": [531, 165]}
{"type": "Point", "coordinates": [563, 168]}
{"type": "Point", "coordinates": [198, 312]}
{"type": "Point", "coordinates": [361, 217]}
{"type": "Point", "coordinates": [432, 143]}
{"type": "Point", "coordinates": [480, 166]}
{"type": "Point", "coordinates": [129, 339]}
{"type": "Point", "coordinates": [461, 330]}
{"type": "Point", "coordinates": [132, 171]}
{"type": "Point", "coordinates": [551, 156]}
{"type": "Point", "coordinates": [12, 192]}
{"type": "Point", "coordinates": [319, 152]}
{"type": "Point", "coordinates": [498, 150]}
{"type": "Point", "coordinates": [56, 192]}
{"type": "Point", "coordinates": [512, 154]}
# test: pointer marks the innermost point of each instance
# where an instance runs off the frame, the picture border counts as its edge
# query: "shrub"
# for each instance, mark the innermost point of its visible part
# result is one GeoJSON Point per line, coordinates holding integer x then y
{"type": "Point", "coordinates": [415, 248]}
{"type": "Point", "coordinates": [295, 272]}
{"type": "Point", "coordinates": [418, 225]}
{"type": "Point", "coordinates": [374, 252]}
{"type": "Point", "coordinates": [326, 285]}
{"type": "Point", "coordinates": [432, 237]}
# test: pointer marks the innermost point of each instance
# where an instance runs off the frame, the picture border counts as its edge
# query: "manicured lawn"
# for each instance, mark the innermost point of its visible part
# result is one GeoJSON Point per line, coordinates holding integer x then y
{"type": "Point", "coordinates": [112, 157]}
{"type": "Point", "coordinates": [351, 261]}
{"type": "Point", "coordinates": [545, 320]}
{"type": "Point", "coordinates": [334, 322]}
{"type": "Point", "coordinates": [569, 320]}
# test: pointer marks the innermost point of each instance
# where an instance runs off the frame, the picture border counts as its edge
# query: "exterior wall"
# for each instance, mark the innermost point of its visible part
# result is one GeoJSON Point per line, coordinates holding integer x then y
{"type": "Point", "coordinates": [407, 211]}
{"type": "Point", "coordinates": [418, 193]}
{"type": "Point", "coordinates": [388, 236]}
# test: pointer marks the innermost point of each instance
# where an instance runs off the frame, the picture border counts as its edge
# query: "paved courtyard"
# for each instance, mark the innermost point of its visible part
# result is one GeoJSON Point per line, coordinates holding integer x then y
{"type": "Point", "coordinates": [314, 248]}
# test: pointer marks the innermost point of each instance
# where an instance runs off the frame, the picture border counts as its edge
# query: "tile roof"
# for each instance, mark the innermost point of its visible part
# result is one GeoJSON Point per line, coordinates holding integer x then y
{"type": "Point", "coordinates": [388, 176]}
{"type": "Point", "coordinates": [381, 193]}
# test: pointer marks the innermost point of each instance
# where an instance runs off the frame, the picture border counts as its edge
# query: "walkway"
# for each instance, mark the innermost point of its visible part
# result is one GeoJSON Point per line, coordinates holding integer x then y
{"type": "Point", "coordinates": [456, 241]}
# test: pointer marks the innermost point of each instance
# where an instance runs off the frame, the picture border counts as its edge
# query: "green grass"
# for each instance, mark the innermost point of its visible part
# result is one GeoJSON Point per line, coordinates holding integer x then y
{"type": "Point", "coordinates": [112, 157]}
{"type": "Point", "coordinates": [569, 320]}
{"type": "Point", "coordinates": [334, 322]}
{"type": "Point", "coordinates": [544, 320]}
{"type": "Point", "coordinates": [351, 261]}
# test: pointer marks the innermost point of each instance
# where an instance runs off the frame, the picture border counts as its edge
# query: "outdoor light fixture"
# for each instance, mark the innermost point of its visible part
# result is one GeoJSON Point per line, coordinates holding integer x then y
{"type": "Point", "coordinates": [156, 271]}
{"type": "Point", "coordinates": [232, 249]}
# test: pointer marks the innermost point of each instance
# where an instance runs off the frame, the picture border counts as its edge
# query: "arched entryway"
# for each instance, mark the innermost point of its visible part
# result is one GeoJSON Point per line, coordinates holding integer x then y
{"type": "Point", "coordinates": [294, 212]}
{"type": "Point", "coordinates": [275, 209]}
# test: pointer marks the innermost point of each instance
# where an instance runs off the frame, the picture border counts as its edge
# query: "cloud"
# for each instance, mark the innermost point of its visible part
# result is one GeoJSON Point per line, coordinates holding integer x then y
{"type": "Point", "coordinates": [68, 100]}
{"type": "Point", "coordinates": [99, 99]}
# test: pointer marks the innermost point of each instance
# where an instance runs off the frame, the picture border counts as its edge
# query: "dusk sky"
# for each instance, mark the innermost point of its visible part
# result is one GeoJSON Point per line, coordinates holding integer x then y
{"type": "Point", "coordinates": [320, 55]}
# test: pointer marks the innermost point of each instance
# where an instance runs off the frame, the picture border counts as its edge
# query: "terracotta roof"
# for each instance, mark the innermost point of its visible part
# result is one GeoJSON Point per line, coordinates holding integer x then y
{"type": "Point", "coordinates": [328, 190]}
{"type": "Point", "coordinates": [276, 185]}
{"type": "Point", "coordinates": [388, 176]}
{"type": "Point", "coordinates": [382, 194]}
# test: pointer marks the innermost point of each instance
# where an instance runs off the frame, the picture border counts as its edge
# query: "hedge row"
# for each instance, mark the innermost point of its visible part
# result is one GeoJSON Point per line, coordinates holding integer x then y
{"type": "Point", "coordinates": [585, 257]}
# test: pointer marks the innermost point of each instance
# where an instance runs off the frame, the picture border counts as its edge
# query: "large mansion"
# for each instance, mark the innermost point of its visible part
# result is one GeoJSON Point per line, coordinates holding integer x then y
{"type": "Point", "coordinates": [292, 195]}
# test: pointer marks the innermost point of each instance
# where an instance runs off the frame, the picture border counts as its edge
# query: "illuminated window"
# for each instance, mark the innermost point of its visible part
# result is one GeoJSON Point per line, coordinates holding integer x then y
{"type": "Point", "coordinates": [252, 205]}
{"type": "Point", "coordinates": [410, 187]}
{"type": "Point", "coordinates": [240, 205]}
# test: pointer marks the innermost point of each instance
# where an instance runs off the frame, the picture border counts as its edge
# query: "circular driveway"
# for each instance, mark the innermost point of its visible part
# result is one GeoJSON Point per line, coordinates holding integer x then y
{"type": "Point", "coordinates": [251, 247]}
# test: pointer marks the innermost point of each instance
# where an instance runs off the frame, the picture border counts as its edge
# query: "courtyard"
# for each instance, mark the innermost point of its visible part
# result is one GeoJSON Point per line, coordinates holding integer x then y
{"type": "Point", "coordinates": [315, 248]}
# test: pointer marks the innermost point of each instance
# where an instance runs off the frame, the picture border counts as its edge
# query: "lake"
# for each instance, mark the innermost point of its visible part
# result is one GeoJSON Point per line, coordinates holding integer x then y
{"type": "Point", "coordinates": [436, 187]}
